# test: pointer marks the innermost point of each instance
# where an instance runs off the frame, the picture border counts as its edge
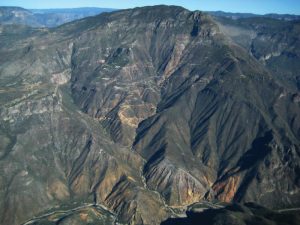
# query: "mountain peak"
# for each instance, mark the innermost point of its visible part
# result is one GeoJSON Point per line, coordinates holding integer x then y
{"type": "Point", "coordinates": [132, 116]}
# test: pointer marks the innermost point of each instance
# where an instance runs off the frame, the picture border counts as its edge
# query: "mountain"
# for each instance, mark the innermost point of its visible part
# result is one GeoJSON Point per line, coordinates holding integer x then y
{"type": "Point", "coordinates": [45, 17]}
{"type": "Point", "coordinates": [132, 116]}
{"type": "Point", "coordinates": [234, 16]}
{"type": "Point", "coordinates": [16, 15]}
{"type": "Point", "coordinates": [236, 214]}
{"type": "Point", "coordinates": [274, 43]}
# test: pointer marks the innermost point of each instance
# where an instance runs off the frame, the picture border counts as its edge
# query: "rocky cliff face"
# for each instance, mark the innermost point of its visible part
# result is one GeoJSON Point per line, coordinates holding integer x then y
{"type": "Point", "coordinates": [144, 112]}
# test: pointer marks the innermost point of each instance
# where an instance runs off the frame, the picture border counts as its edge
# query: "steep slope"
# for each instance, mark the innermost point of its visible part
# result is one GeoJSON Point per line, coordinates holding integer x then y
{"type": "Point", "coordinates": [51, 153]}
{"type": "Point", "coordinates": [274, 43]}
{"type": "Point", "coordinates": [145, 112]}
{"type": "Point", "coordinates": [237, 214]}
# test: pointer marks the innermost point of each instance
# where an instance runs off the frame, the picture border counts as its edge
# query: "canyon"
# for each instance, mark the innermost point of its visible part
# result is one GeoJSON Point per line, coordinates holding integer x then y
{"type": "Point", "coordinates": [132, 116]}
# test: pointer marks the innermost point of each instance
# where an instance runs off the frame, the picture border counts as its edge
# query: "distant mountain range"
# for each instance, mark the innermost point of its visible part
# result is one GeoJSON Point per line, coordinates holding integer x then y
{"type": "Point", "coordinates": [46, 17]}
{"type": "Point", "coordinates": [286, 17]}
{"type": "Point", "coordinates": [56, 17]}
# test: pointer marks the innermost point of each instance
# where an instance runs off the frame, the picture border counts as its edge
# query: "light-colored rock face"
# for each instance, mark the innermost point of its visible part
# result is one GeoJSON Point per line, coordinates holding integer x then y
{"type": "Point", "coordinates": [20, 14]}
{"type": "Point", "coordinates": [61, 78]}
{"type": "Point", "coordinates": [29, 108]}
{"type": "Point", "coordinates": [178, 187]}
{"type": "Point", "coordinates": [176, 54]}
{"type": "Point", "coordinates": [127, 117]}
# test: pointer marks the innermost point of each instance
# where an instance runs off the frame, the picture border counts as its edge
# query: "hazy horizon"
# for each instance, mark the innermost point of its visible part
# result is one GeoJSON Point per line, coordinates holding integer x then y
{"type": "Point", "coordinates": [233, 6]}
{"type": "Point", "coordinates": [109, 8]}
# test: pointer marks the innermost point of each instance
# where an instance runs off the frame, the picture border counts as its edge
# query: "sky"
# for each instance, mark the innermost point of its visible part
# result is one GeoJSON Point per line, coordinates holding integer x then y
{"type": "Point", "coordinates": [252, 6]}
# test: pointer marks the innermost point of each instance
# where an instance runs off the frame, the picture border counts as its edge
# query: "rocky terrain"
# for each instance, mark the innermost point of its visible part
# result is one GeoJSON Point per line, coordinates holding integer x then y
{"type": "Point", "coordinates": [45, 17]}
{"type": "Point", "coordinates": [132, 116]}
{"type": "Point", "coordinates": [236, 214]}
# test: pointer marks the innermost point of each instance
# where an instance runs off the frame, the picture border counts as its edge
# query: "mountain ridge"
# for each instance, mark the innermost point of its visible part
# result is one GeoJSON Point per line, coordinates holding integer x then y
{"type": "Point", "coordinates": [55, 17]}
{"type": "Point", "coordinates": [46, 17]}
{"type": "Point", "coordinates": [145, 109]}
{"type": "Point", "coordinates": [233, 15]}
